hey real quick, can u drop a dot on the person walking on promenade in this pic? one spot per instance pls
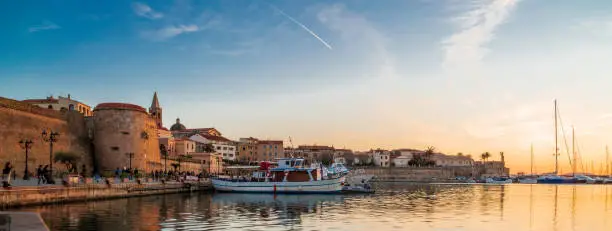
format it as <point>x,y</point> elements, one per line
<point>44,173</point>
<point>39,174</point>
<point>6,174</point>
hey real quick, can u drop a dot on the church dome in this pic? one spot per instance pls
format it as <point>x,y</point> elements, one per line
<point>178,126</point>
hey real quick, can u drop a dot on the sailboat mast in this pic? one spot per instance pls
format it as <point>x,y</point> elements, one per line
<point>556,147</point>
<point>608,161</point>
<point>573,152</point>
<point>532,159</point>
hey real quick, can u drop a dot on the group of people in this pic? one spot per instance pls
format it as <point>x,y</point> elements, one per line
<point>176,175</point>
<point>44,175</point>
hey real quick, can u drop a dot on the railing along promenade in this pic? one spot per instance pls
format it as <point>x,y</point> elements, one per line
<point>50,194</point>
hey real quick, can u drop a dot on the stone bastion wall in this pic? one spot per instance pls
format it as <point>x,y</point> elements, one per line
<point>19,120</point>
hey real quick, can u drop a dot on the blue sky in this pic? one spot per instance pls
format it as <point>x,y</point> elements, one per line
<point>462,75</point>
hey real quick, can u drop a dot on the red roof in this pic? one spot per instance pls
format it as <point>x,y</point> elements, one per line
<point>47,100</point>
<point>215,138</point>
<point>120,106</point>
<point>315,147</point>
<point>270,142</point>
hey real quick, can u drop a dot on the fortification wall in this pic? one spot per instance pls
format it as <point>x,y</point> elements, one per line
<point>118,132</point>
<point>19,120</point>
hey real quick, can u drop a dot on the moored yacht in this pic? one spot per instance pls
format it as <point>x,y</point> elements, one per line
<point>291,176</point>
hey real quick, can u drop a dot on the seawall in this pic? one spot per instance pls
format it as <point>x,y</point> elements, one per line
<point>413,174</point>
<point>27,196</point>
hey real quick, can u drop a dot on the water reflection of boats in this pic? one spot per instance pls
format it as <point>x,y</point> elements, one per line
<point>269,199</point>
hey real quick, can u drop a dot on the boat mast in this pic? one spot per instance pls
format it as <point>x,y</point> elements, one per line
<point>573,152</point>
<point>556,147</point>
<point>532,159</point>
<point>608,162</point>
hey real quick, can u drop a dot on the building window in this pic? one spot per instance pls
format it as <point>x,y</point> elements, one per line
<point>218,148</point>
<point>115,148</point>
<point>50,106</point>
<point>70,107</point>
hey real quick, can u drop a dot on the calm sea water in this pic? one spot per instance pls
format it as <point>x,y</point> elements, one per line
<point>393,207</point>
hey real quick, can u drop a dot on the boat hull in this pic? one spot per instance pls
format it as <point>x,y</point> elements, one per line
<point>492,181</point>
<point>556,181</point>
<point>528,181</point>
<point>322,186</point>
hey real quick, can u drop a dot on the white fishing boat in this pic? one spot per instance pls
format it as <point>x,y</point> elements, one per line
<point>291,176</point>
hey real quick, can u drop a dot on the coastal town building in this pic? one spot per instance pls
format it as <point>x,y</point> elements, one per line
<point>270,150</point>
<point>381,158</point>
<point>220,145</point>
<point>62,104</point>
<point>490,169</point>
<point>401,161</point>
<point>246,149</point>
<point>184,146</point>
<point>362,158</point>
<point>452,161</point>
<point>314,152</point>
<point>253,150</point>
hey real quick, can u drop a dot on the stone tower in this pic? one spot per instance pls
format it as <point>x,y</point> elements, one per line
<point>156,111</point>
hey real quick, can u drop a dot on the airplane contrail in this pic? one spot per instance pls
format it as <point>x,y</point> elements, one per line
<point>303,27</point>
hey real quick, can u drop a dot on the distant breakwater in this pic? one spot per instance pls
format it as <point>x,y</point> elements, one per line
<point>27,196</point>
<point>434,174</point>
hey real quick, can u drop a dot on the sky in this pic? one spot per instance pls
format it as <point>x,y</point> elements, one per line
<point>468,76</point>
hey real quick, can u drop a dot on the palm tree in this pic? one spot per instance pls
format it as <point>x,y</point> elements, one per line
<point>502,156</point>
<point>460,154</point>
<point>429,152</point>
<point>487,155</point>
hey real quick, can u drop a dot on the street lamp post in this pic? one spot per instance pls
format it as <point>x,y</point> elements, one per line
<point>26,144</point>
<point>130,155</point>
<point>50,137</point>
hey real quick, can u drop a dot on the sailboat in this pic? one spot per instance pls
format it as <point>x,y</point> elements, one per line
<point>555,178</point>
<point>531,179</point>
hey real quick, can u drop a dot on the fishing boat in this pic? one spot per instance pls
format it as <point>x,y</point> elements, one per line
<point>291,176</point>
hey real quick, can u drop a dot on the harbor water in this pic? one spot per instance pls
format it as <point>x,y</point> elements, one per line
<point>394,206</point>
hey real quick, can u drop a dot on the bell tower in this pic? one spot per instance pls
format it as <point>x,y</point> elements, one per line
<point>156,111</point>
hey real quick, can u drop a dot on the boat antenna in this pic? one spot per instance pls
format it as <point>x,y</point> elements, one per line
<point>292,150</point>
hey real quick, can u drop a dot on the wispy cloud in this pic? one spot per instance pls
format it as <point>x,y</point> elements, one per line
<point>303,27</point>
<point>170,32</point>
<point>596,25</point>
<point>475,29</point>
<point>359,32</point>
<point>143,10</point>
<point>46,25</point>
